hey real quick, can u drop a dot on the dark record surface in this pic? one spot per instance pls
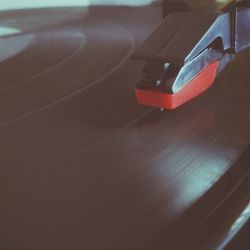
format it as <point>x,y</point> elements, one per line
<point>83,166</point>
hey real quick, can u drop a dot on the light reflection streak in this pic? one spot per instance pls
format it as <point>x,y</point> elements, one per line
<point>7,31</point>
<point>236,226</point>
<point>33,4</point>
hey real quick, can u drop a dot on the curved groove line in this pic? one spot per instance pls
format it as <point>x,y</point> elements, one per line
<point>63,61</point>
<point>113,134</point>
<point>46,107</point>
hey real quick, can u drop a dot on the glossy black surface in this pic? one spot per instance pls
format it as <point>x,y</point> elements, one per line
<point>83,166</point>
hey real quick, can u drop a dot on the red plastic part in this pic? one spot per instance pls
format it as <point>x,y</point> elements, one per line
<point>201,82</point>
